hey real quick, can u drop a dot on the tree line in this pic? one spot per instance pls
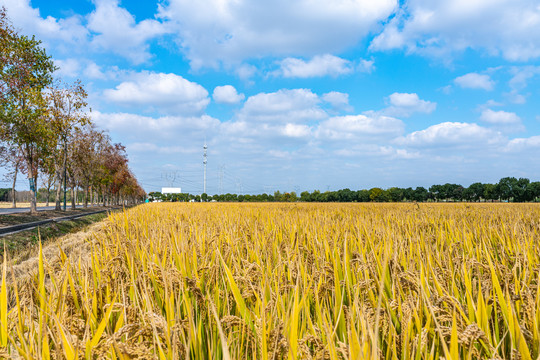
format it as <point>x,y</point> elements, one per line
<point>46,132</point>
<point>508,189</point>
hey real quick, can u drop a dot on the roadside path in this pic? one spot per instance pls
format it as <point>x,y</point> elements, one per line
<point>6,211</point>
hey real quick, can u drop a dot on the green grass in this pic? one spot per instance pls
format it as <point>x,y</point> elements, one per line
<point>28,240</point>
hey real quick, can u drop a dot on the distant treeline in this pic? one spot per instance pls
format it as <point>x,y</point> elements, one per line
<point>4,194</point>
<point>507,189</point>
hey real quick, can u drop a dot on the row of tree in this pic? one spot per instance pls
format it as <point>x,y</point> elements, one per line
<point>46,132</point>
<point>507,189</point>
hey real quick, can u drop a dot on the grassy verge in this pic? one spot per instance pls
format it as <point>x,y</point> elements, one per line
<point>24,244</point>
<point>26,217</point>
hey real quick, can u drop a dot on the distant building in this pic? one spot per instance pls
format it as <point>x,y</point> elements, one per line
<point>169,190</point>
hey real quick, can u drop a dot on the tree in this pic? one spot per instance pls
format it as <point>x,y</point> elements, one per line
<point>408,194</point>
<point>378,194</point>
<point>396,194</point>
<point>474,192</point>
<point>85,156</point>
<point>11,158</point>
<point>533,191</point>
<point>420,194</point>
<point>25,71</point>
<point>506,187</point>
<point>491,192</point>
<point>437,192</point>
<point>47,179</point>
<point>519,191</point>
<point>67,104</point>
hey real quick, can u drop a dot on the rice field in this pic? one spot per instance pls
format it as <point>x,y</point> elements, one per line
<point>285,281</point>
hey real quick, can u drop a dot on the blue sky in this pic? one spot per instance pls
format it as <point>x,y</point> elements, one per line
<point>308,94</point>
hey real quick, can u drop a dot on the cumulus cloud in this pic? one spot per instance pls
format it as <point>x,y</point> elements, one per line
<point>475,81</point>
<point>155,128</point>
<point>440,28</point>
<point>93,71</point>
<point>318,66</point>
<point>451,134</point>
<point>406,104</point>
<point>338,100</point>
<point>116,30</point>
<point>296,130</point>
<point>352,127</point>
<point>165,93</point>
<point>212,32</point>
<point>523,144</point>
<point>500,117</point>
<point>227,94</point>
<point>285,105</point>
<point>67,68</point>
<point>69,31</point>
<point>108,28</point>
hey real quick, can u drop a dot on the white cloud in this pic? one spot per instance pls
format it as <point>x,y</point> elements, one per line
<point>500,117</point>
<point>212,32</point>
<point>441,27</point>
<point>264,134</point>
<point>296,130</point>
<point>117,31</point>
<point>475,81</point>
<point>109,28</point>
<point>67,68</point>
<point>405,104</point>
<point>81,67</point>
<point>285,105</point>
<point>165,150</point>
<point>338,100</point>
<point>165,93</point>
<point>155,129</point>
<point>227,94</point>
<point>523,144</point>
<point>366,66</point>
<point>318,66</point>
<point>395,153</point>
<point>521,75</point>
<point>352,127</point>
<point>93,71</point>
<point>451,134</point>
<point>69,31</point>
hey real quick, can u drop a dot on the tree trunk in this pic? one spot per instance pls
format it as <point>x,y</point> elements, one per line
<point>32,176</point>
<point>14,203</point>
<point>85,196</point>
<point>58,204</point>
<point>73,207</point>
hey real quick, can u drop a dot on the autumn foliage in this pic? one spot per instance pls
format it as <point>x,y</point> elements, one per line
<point>45,128</point>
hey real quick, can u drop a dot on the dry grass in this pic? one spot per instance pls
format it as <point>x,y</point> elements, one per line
<point>275,281</point>
<point>7,205</point>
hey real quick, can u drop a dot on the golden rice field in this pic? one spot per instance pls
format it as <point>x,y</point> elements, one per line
<point>286,281</point>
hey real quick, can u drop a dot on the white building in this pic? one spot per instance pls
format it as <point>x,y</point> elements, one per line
<point>170,190</point>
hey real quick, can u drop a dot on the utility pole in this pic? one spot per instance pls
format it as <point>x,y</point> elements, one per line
<point>205,156</point>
